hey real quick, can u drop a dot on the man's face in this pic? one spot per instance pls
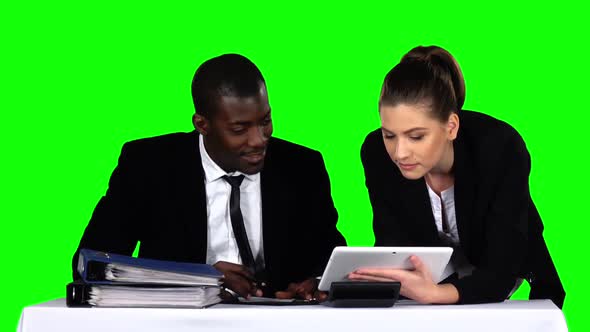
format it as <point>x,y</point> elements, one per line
<point>237,133</point>
<point>417,143</point>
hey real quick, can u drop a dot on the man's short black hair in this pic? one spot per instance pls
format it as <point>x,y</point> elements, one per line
<point>226,75</point>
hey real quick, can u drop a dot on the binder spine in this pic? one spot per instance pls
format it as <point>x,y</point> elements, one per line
<point>77,294</point>
<point>95,271</point>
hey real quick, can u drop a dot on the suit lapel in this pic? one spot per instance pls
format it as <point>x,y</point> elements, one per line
<point>417,200</point>
<point>464,191</point>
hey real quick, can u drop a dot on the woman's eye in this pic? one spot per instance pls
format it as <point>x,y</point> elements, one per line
<point>416,138</point>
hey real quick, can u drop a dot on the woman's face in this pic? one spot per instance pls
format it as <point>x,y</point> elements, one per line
<point>416,142</point>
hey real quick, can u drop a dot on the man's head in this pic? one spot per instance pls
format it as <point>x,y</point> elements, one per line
<point>232,112</point>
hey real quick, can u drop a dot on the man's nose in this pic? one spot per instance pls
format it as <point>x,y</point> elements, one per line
<point>257,137</point>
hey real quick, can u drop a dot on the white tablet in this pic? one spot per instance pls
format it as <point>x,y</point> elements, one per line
<point>347,259</point>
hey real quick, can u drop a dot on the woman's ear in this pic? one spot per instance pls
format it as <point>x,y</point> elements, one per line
<point>453,126</point>
<point>201,124</point>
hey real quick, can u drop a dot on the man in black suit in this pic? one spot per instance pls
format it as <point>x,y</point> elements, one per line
<point>257,208</point>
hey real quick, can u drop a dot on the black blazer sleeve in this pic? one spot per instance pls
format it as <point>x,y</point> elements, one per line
<point>388,226</point>
<point>299,216</point>
<point>111,227</point>
<point>402,215</point>
<point>324,218</point>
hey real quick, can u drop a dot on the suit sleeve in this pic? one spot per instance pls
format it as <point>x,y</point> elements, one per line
<point>505,230</point>
<point>386,225</point>
<point>113,222</point>
<point>325,217</point>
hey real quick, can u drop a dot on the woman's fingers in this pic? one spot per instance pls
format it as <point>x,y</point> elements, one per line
<point>420,267</point>
<point>378,275</point>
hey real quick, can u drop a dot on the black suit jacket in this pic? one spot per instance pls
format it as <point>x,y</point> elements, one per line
<point>499,227</point>
<point>156,195</point>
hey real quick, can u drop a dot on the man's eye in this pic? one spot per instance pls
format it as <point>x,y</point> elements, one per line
<point>266,122</point>
<point>238,130</point>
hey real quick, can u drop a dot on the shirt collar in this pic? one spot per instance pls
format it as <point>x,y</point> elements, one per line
<point>212,171</point>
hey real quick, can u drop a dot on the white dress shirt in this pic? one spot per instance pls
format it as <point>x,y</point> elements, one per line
<point>221,242</point>
<point>443,209</point>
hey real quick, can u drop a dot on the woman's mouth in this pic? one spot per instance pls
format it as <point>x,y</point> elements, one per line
<point>407,167</point>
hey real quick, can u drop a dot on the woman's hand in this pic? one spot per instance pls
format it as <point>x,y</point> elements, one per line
<point>416,284</point>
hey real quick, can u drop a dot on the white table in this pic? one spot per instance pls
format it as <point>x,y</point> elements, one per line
<point>538,316</point>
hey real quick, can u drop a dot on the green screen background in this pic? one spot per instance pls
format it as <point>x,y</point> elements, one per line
<point>79,80</point>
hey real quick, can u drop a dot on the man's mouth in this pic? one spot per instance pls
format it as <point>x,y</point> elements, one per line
<point>254,157</point>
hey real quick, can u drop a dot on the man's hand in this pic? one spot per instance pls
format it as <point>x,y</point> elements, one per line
<point>238,278</point>
<point>307,290</point>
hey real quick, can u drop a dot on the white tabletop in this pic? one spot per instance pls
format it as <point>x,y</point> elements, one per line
<point>538,315</point>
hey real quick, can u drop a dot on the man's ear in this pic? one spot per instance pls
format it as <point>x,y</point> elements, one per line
<point>453,126</point>
<point>201,124</point>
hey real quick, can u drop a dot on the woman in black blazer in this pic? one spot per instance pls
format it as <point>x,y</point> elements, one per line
<point>441,176</point>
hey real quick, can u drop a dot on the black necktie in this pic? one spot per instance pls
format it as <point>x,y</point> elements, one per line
<point>237,222</point>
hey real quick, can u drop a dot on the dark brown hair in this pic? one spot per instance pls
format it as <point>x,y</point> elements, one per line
<point>426,75</point>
